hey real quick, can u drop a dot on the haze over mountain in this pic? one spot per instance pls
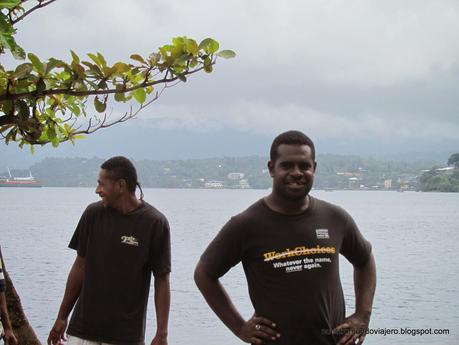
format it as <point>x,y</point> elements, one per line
<point>364,78</point>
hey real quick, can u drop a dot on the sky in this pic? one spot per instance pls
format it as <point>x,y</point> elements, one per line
<point>359,77</point>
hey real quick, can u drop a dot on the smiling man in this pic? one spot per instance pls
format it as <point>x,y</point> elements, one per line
<point>120,241</point>
<point>289,244</point>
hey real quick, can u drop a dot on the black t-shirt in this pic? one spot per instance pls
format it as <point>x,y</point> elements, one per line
<point>120,251</point>
<point>292,266</point>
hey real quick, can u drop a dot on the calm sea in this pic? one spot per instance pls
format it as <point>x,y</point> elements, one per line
<point>415,237</point>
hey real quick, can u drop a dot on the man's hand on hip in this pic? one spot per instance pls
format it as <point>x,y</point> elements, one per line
<point>258,329</point>
<point>353,330</point>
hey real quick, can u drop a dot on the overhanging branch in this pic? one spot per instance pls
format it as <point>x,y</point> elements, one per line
<point>41,4</point>
<point>6,97</point>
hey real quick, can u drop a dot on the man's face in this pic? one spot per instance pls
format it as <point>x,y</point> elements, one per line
<point>293,171</point>
<point>108,189</point>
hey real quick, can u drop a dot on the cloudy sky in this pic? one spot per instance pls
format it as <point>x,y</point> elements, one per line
<point>361,77</point>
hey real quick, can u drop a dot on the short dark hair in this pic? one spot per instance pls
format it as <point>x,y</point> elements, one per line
<point>121,168</point>
<point>291,138</point>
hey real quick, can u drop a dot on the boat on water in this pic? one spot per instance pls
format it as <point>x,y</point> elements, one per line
<point>10,181</point>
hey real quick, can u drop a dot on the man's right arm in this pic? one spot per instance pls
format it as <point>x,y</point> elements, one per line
<point>255,330</point>
<point>72,292</point>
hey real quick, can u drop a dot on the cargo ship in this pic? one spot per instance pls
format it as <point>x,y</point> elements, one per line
<point>10,181</point>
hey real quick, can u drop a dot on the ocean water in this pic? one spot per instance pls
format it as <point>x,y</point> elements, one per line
<point>415,238</point>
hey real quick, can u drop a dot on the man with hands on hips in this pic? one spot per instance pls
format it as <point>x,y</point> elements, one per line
<point>289,244</point>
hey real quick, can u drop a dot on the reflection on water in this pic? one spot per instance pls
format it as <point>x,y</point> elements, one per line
<point>415,239</point>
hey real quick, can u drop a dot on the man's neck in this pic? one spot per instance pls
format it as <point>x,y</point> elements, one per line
<point>287,206</point>
<point>128,204</point>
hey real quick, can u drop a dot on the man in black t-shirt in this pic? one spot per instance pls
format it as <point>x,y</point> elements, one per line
<point>120,241</point>
<point>289,244</point>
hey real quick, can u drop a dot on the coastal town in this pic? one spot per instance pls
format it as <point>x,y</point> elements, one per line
<point>334,172</point>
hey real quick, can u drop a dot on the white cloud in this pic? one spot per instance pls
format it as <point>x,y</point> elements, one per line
<point>355,41</point>
<point>269,119</point>
<point>382,50</point>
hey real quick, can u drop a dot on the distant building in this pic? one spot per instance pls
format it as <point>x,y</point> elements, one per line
<point>387,184</point>
<point>214,184</point>
<point>348,174</point>
<point>353,183</point>
<point>244,184</point>
<point>450,168</point>
<point>235,176</point>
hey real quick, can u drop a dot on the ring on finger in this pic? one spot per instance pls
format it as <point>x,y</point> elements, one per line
<point>257,327</point>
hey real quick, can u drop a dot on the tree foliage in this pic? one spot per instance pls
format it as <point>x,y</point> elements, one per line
<point>50,101</point>
<point>436,180</point>
<point>454,160</point>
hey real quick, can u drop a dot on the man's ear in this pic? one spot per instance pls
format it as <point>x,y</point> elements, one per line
<point>315,166</point>
<point>122,184</point>
<point>271,168</point>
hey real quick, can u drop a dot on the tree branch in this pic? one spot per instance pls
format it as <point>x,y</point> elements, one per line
<point>34,93</point>
<point>41,4</point>
<point>7,119</point>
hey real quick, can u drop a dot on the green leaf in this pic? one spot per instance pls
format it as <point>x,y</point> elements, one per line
<point>54,63</point>
<point>75,57</point>
<point>51,133</point>
<point>119,97</point>
<point>209,45</point>
<point>182,77</point>
<point>226,54</point>
<point>208,65</point>
<point>139,95</point>
<point>22,108</point>
<point>208,68</point>
<point>182,59</point>
<point>79,70</point>
<point>5,25</point>
<point>78,136</point>
<point>194,62</point>
<point>55,142</point>
<point>178,41</point>
<point>22,70</point>
<point>95,58</point>
<point>121,67</point>
<point>138,58</point>
<point>108,71</point>
<point>75,109</point>
<point>93,69</point>
<point>37,64</point>
<point>6,107</point>
<point>68,128</point>
<point>18,52</point>
<point>102,60</point>
<point>100,106</point>
<point>154,58</point>
<point>9,4</point>
<point>41,86</point>
<point>191,46</point>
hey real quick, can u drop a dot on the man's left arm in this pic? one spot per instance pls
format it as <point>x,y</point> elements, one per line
<point>355,326</point>
<point>162,305</point>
